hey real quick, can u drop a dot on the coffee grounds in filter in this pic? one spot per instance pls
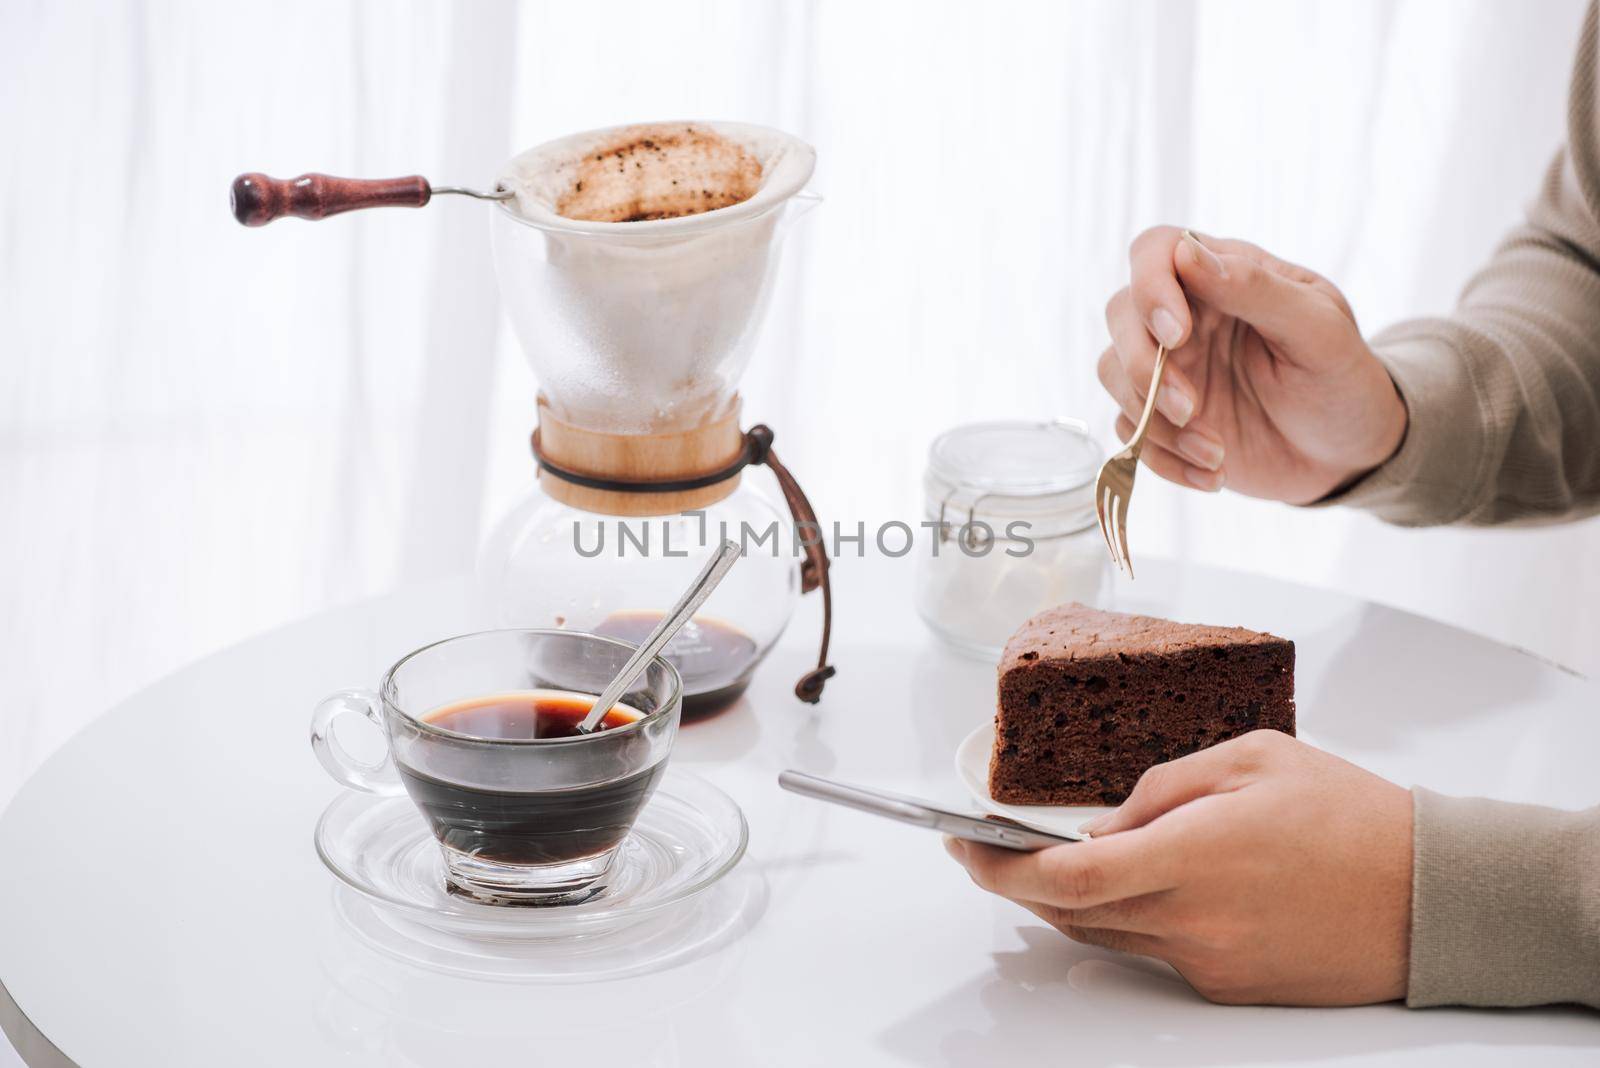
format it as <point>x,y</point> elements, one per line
<point>659,171</point>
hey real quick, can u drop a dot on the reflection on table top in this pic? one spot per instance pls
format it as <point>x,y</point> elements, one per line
<point>170,910</point>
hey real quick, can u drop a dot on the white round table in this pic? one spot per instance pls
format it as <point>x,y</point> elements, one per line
<point>162,905</point>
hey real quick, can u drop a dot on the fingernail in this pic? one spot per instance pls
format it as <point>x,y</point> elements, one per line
<point>1206,258</point>
<point>1091,827</point>
<point>1165,326</point>
<point>1210,481</point>
<point>956,848</point>
<point>1200,449</point>
<point>1175,405</point>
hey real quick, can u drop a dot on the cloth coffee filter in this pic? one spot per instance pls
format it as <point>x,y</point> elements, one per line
<point>636,317</point>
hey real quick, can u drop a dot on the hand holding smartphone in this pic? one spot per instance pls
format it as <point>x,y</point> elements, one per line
<point>919,813</point>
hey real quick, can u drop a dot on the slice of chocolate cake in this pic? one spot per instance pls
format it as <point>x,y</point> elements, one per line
<point>1090,699</point>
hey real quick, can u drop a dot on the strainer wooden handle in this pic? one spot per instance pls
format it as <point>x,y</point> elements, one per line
<point>257,199</point>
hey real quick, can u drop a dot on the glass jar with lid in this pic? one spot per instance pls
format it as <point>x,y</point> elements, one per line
<point>1011,529</point>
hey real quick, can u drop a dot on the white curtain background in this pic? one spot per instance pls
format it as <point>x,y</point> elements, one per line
<point>207,431</point>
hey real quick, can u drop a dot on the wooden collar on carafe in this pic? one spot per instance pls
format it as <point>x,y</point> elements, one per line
<point>679,457</point>
<point>664,474</point>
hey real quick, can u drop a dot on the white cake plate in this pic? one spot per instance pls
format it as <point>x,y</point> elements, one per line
<point>972,766</point>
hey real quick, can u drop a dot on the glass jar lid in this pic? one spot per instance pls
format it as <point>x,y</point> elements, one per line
<point>1042,472</point>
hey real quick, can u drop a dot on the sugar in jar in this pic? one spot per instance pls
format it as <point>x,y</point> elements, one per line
<point>1009,529</point>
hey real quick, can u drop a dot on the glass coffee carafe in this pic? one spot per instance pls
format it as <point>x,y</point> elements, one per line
<point>637,332</point>
<point>535,567</point>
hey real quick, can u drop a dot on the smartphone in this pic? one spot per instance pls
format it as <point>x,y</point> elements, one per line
<point>995,832</point>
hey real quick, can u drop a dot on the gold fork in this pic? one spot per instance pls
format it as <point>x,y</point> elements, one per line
<point>1115,485</point>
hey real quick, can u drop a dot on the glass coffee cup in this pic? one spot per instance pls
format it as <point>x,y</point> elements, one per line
<point>481,733</point>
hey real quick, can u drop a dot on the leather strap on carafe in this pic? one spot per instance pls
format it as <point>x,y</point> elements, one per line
<point>814,570</point>
<point>756,449</point>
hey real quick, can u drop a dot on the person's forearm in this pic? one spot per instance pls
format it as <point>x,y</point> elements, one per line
<point>1505,904</point>
<point>1504,396</point>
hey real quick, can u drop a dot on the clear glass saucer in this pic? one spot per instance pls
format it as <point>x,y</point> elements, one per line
<point>665,938</point>
<point>690,835</point>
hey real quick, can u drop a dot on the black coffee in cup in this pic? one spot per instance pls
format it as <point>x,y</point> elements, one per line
<point>526,810</point>
<point>511,826</point>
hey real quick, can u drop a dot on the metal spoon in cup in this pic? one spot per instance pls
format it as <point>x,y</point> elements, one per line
<point>721,562</point>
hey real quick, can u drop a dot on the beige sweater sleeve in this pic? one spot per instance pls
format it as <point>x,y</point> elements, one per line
<point>1504,395</point>
<point>1504,400</point>
<point>1505,904</point>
